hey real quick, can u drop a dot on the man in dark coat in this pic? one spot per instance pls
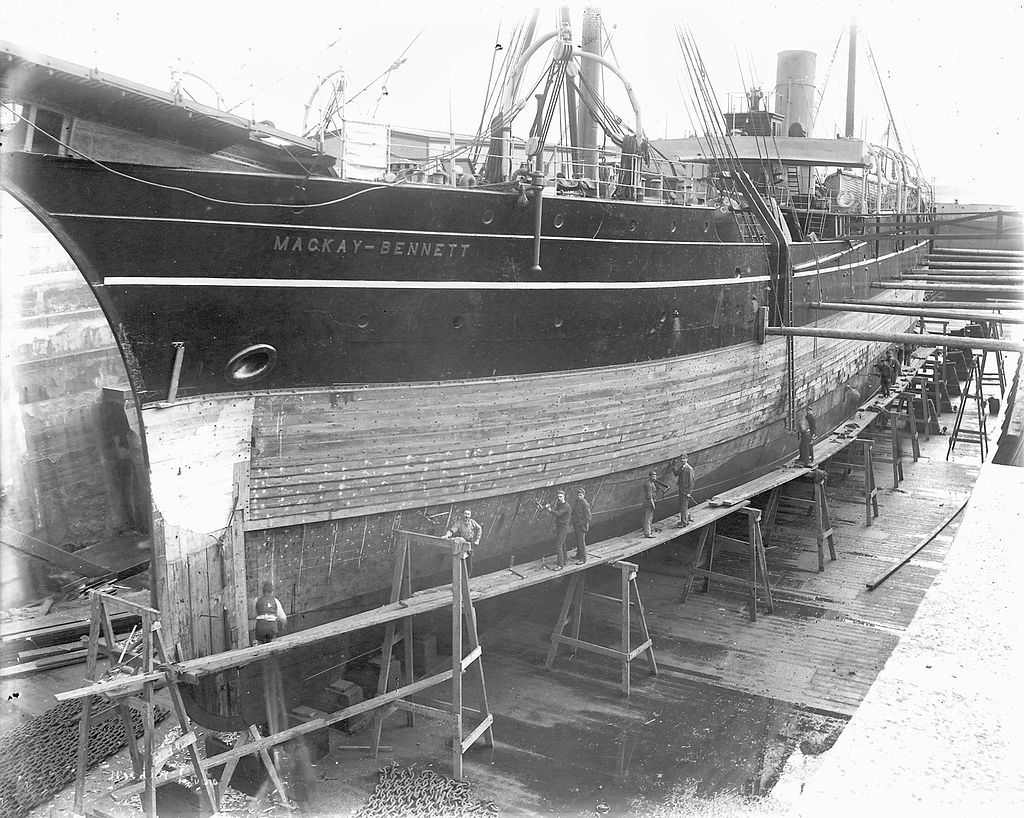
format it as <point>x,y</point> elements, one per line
<point>650,498</point>
<point>805,429</point>
<point>270,617</point>
<point>683,472</point>
<point>581,516</point>
<point>562,513</point>
<point>885,374</point>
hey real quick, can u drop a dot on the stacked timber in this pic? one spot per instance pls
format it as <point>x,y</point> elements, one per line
<point>48,642</point>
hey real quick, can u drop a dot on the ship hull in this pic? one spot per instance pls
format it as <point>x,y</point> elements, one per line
<point>407,386</point>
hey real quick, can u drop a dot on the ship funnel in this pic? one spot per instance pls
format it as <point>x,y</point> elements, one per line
<point>794,91</point>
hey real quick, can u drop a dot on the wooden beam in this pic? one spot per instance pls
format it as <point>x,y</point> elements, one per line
<point>921,311</point>
<point>293,732</point>
<point>931,535</point>
<point>34,547</point>
<point>989,344</point>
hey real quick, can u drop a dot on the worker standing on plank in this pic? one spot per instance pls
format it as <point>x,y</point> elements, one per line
<point>885,374</point>
<point>469,530</point>
<point>683,472</point>
<point>270,617</point>
<point>805,428</point>
<point>581,516</point>
<point>650,498</point>
<point>562,513</point>
<point>894,365</point>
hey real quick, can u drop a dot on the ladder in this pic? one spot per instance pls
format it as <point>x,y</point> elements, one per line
<point>997,378</point>
<point>977,396</point>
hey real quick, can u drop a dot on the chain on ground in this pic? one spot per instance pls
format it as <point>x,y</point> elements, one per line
<point>38,758</point>
<point>410,793</point>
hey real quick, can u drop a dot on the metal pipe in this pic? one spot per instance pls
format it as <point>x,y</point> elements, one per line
<point>961,279</point>
<point>179,356</point>
<point>953,305</point>
<point>984,288</point>
<point>988,344</point>
<point>923,311</point>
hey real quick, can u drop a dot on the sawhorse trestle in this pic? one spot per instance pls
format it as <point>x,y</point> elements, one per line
<point>823,515</point>
<point>463,612</point>
<point>572,609</point>
<point>143,651</point>
<point>711,542</point>
<point>866,464</point>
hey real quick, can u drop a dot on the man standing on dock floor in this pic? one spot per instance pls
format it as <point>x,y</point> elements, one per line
<point>563,525</point>
<point>683,472</point>
<point>270,617</point>
<point>468,529</point>
<point>581,516</point>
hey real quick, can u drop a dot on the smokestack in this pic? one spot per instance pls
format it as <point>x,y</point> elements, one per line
<point>589,69</point>
<point>794,91</point>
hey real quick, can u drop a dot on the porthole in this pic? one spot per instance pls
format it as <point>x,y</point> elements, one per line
<point>738,272</point>
<point>632,225</point>
<point>363,321</point>
<point>251,364</point>
<point>560,220</point>
<point>457,322</point>
<point>558,322</point>
<point>487,217</point>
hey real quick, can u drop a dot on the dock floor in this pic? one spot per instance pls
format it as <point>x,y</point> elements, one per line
<point>939,731</point>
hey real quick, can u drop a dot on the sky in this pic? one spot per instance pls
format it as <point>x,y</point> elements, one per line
<point>951,69</point>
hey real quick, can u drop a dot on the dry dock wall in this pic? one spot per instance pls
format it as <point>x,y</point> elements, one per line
<point>66,456</point>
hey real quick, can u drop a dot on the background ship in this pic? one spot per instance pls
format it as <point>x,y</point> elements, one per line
<point>319,360</point>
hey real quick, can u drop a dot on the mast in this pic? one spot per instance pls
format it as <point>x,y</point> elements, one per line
<point>590,73</point>
<point>851,79</point>
<point>570,104</point>
<point>499,157</point>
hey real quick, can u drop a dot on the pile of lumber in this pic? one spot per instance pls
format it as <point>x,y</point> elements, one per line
<point>31,645</point>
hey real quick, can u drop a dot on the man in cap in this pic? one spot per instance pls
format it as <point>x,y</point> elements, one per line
<point>581,516</point>
<point>805,428</point>
<point>650,498</point>
<point>683,472</point>
<point>468,529</point>
<point>894,365</point>
<point>270,617</point>
<point>884,375</point>
<point>562,513</point>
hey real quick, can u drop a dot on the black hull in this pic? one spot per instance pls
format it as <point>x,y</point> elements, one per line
<point>392,284</point>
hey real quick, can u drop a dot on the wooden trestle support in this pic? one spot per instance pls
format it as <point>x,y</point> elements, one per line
<point>572,609</point>
<point>867,465</point>
<point>137,651</point>
<point>462,611</point>
<point>711,542</point>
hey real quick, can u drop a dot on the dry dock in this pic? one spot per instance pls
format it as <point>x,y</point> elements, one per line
<point>733,699</point>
